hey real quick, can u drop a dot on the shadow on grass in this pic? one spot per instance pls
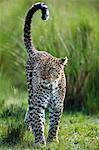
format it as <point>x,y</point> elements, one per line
<point>15,133</point>
<point>12,117</point>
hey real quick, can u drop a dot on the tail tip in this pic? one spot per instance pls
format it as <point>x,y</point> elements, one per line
<point>45,16</point>
<point>45,12</point>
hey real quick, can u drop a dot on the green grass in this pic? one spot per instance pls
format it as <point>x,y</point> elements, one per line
<point>77,130</point>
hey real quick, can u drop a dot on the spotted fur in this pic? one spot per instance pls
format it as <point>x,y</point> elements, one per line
<point>46,84</point>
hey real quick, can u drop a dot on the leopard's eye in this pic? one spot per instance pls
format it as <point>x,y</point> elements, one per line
<point>49,70</point>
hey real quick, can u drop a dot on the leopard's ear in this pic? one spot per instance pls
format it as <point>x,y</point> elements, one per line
<point>63,61</point>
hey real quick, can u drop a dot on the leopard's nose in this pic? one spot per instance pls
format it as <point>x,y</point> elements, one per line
<point>44,78</point>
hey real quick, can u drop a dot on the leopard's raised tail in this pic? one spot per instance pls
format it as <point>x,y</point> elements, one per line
<point>27,26</point>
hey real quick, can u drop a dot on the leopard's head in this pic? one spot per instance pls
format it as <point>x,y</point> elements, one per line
<point>52,68</point>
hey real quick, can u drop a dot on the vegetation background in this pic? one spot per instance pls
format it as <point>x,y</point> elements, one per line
<point>73,31</point>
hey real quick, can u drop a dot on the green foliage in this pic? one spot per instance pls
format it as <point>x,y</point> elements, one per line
<point>13,111</point>
<point>72,30</point>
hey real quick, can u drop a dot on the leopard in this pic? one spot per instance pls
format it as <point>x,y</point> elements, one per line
<point>46,84</point>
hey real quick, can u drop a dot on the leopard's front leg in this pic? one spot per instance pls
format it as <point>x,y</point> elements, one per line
<point>37,121</point>
<point>35,116</point>
<point>55,116</point>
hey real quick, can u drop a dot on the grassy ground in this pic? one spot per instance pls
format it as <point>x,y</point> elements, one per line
<point>77,130</point>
